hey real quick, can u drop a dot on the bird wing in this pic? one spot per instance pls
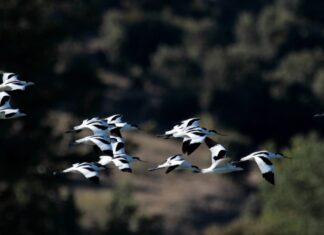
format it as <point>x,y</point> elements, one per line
<point>266,168</point>
<point>191,143</point>
<point>103,144</point>
<point>9,77</point>
<point>4,100</point>
<point>122,164</point>
<point>222,162</point>
<point>116,132</point>
<point>105,160</point>
<point>191,122</point>
<point>119,148</point>
<point>88,171</point>
<point>217,150</point>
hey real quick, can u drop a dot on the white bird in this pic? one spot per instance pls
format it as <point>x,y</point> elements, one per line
<point>11,82</point>
<point>220,163</point>
<point>191,122</point>
<point>193,137</point>
<point>262,159</point>
<point>176,162</point>
<point>96,125</point>
<point>88,170</point>
<point>120,158</point>
<point>6,111</point>
<point>101,142</point>
<point>122,162</point>
<point>117,121</point>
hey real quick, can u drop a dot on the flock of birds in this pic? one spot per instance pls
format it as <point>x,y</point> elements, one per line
<point>10,82</point>
<point>107,138</point>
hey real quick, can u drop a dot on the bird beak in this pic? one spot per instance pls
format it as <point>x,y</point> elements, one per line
<point>163,136</point>
<point>153,169</point>
<point>31,84</point>
<point>72,131</point>
<point>217,133</point>
<point>286,157</point>
<point>142,161</point>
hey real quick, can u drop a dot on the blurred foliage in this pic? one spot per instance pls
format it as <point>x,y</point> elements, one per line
<point>124,218</point>
<point>254,68</point>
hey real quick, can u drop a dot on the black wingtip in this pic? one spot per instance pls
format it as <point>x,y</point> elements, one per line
<point>269,176</point>
<point>171,168</point>
<point>94,179</point>
<point>210,142</point>
<point>129,170</point>
<point>191,148</point>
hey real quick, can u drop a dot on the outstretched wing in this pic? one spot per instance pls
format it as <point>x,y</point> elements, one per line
<point>8,77</point>
<point>217,150</point>
<point>192,142</point>
<point>222,162</point>
<point>266,168</point>
<point>122,164</point>
<point>103,144</point>
<point>4,100</point>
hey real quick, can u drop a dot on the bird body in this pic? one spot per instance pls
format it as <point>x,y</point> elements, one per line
<point>178,130</point>
<point>117,121</point>
<point>101,142</point>
<point>122,162</point>
<point>11,82</point>
<point>6,111</point>
<point>193,137</point>
<point>220,164</point>
<point>88,170</point>
<point>262,159</point>
<point>176,162</point>
<point>96,125</point>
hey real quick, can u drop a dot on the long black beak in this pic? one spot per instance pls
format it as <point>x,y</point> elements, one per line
<point>217,133</point>
<point>73,131</point>
<point>287,157</point>
<point>153,169</point>
<point>163,136</point>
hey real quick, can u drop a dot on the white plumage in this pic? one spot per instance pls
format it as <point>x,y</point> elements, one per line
<point>6,111</point>
<point>176,162</point>
<point>11,82</point>
<point>117,121</point>
<point>88,170</point>
<point>101,142</point>
<point>219,162</point>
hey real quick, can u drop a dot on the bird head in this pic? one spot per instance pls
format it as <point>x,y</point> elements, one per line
<point>214,132</point>
<point>280,155</point>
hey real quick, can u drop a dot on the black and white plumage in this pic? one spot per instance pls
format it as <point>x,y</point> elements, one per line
<point>96,125</point>
<point>220,164</point>
<point>11,82</point>
<point>262,159</point>
<point>88,170</point>
<point>101,142</point>
<point>179,128</point>
<point>6,111</point>
<point>117,121</point>
<point>193,137</point>
<point>122,162</point>
<point>120,158</point>
<point>176,162</point>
